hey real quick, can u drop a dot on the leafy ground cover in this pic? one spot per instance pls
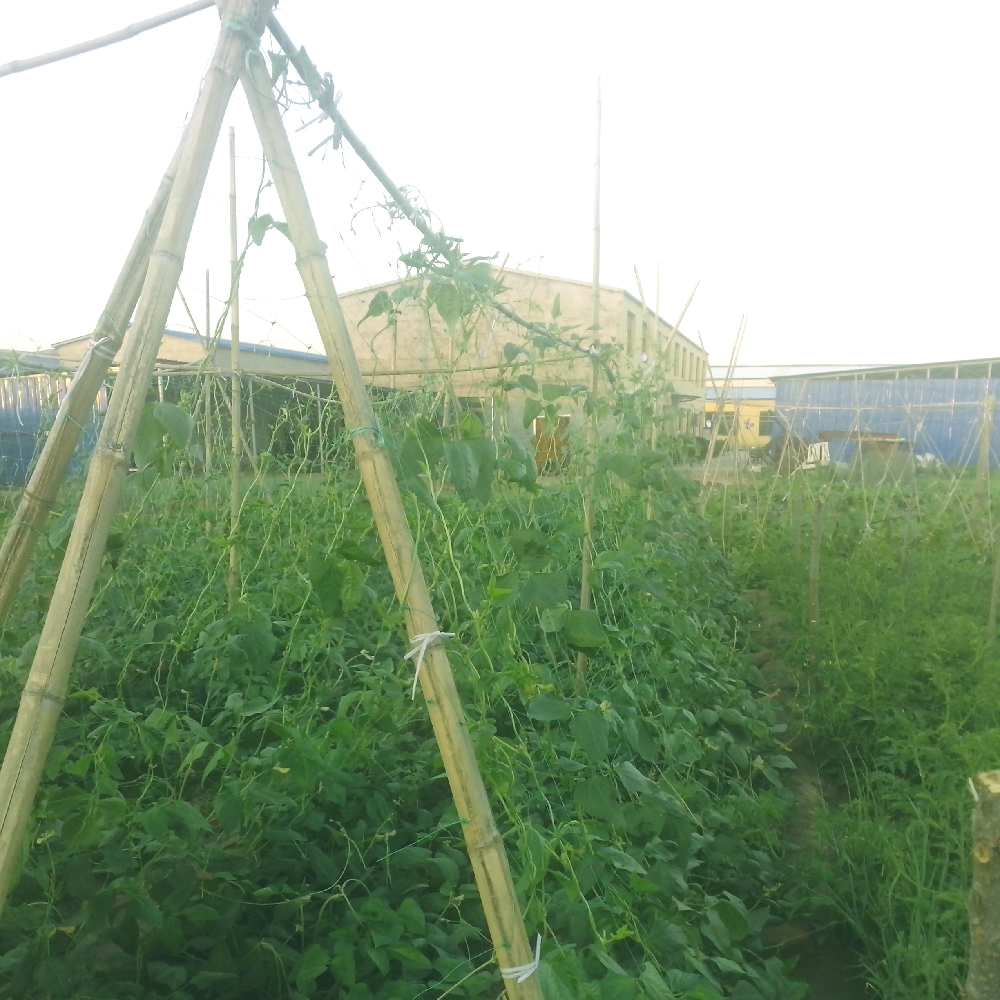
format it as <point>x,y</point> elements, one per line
<point>897,702</point>
<point>247,801</point>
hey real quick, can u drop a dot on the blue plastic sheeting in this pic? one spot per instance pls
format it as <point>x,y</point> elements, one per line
<point>28,406</point>
<point>939,417</point>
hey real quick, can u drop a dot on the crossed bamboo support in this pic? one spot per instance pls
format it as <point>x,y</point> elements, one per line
<point>43,486</point>
<point>45,691</point>
<point>48,680</point>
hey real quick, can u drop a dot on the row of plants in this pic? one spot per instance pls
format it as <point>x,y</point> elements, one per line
<point>896,700</point>
<point>248,800</point>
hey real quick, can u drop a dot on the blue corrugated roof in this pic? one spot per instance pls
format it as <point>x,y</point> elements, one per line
<point>281,352</point>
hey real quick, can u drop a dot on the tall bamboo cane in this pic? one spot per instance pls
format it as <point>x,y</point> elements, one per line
<point>483,840</point>
<point>233,581</point>
<point>74,411</point>
<point>587,555</point>
<point>45,690</point>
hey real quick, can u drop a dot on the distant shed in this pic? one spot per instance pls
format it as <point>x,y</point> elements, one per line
<point>927,409</point>
<point>31,388</point>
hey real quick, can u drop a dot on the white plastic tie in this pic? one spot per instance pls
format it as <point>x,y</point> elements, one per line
<point>520,973</point>
<point>420,644</point>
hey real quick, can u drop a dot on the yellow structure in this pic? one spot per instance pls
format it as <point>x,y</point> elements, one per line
<point>747,413</point>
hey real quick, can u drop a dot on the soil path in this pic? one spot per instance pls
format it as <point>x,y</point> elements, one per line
<point>830,966</point>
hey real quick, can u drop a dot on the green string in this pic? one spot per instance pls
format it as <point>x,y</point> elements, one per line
<point>375,431</point>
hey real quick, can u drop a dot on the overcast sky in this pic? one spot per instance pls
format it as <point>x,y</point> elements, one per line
<point>831,170</point>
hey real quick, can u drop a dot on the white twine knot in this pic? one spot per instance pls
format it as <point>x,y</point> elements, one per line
<point>420,644</point>
<point>522,972</point>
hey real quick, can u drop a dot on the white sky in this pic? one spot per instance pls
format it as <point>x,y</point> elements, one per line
<point>831,170</point>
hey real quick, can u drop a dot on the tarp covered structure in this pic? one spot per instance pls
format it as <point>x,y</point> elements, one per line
<point>924,415</point>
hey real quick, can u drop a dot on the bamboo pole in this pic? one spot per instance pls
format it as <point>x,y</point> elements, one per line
<point>48,680</point>
<point>233,580</point>
<point>983,461</point>
<point>483,840</point>
<point>984,898</point>
<point>74,411</point>
<point>991,621</point>
<point>587,560</point>
<point>814,551</point>
<point>20,65</point>
<point>207,385</point>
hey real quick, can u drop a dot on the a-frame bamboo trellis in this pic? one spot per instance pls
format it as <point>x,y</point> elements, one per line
<point>237,55</point>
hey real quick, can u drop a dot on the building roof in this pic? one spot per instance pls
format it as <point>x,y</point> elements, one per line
<point>245,346</point>
<point>767,372</point>
<point>741,392</point>
<point>552,277</point>
<point>976,368</point>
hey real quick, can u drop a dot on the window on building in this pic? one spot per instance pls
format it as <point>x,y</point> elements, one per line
<point>630,333</point>
<point>766,423</point>
<point>685,358</point>
<point>676,369</point>
<point>644,342</point>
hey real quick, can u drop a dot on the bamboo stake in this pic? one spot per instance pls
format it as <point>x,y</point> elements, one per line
<point>587,560</point>
<point>233,580</point>
<point>814,551</point>
<point>983,462</point>
<point>207,386</point>
<point>74,411</point>
<point>20,65</point>
<point>984,898</point>
<point>796,515</point>
<point>48,680</point>
<point>483,840</point>
<point>991,621</point>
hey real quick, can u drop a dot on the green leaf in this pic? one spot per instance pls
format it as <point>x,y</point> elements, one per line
<point>409,955</point>
<point>254,634</point>
<point>590,730</point>
<point>447,300</point>
<point>311,965</point>
<point>148,437</point>
<point>637,735</point>
<point>552,619</point>
<point>193,754</point>
<point>380,304</point>
<point>621,860</point>
<point>544,590</point>
<point>583,630</point>
<point>531,547</point>
<point>633,779</point>
<point>354,552</point>
<point>325,578</point>
<point>471,462</point>
<point>279,64</point>
<point>511,351</point>
<point>258,226</point>
<point>528,383</point>
<point>548,708</point>
<point>532,408</point>
<point>470,426</point>
<point>413,917</point>
<point>177,424</point>
<point>351,586</point>
<point>598,797</point>
<point>557,307</point>
<point>342,967</point>
<point>550,393</point>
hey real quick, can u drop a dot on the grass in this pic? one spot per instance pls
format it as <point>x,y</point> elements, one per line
<point>898,703</point>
